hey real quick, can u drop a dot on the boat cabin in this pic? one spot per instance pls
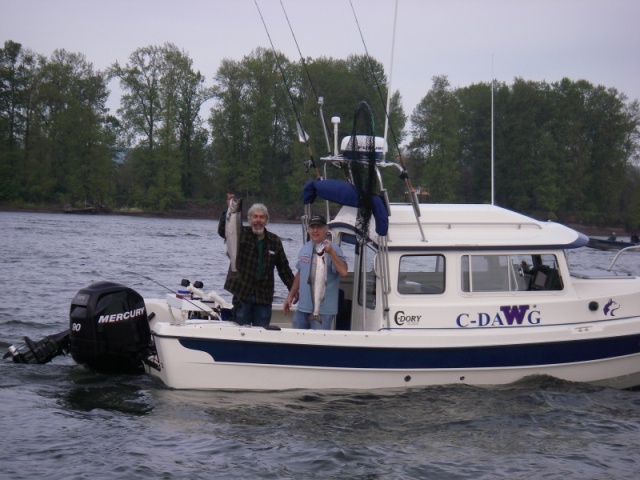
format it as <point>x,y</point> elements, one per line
<point>408,282</point>
<point>419,263</point>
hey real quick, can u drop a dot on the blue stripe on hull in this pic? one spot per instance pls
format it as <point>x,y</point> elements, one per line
<point>231,351</point>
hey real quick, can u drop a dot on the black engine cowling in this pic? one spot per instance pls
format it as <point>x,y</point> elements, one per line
<point>109,328</point>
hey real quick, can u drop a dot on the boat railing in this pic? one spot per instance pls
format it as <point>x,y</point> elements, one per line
<point>384,277</point>
<point>451,225</point>
<point>341,159</point>
<point>627,249</point>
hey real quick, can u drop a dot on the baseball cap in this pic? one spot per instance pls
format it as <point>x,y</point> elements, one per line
<point>317,220</point>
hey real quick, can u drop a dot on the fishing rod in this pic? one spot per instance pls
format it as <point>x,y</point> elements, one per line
<point>404,175</point>
<point>319,99</point>
<point>385,105</point>
<point>323,121</point>
<point>302,134</point>
<point>186,283</point>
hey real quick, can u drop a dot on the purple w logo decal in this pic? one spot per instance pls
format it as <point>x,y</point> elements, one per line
<point>514,314</point>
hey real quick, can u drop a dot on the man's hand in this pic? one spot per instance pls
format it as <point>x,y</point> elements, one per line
<point>291,299</point>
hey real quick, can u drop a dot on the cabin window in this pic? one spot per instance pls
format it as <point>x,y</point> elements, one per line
<point>510,273</point>
<point>421,274</point>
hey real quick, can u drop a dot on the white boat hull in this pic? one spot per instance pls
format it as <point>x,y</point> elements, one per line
<point>221,355</point>
<point>456,309</point>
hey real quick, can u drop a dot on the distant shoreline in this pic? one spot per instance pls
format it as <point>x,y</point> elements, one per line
<point>211,213</point>
<point>208,213</point>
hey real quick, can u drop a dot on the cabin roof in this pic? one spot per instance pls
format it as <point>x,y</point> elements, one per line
<point>465,226</point>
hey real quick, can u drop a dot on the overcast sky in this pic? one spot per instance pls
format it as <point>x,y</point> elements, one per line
<point>466,40</point>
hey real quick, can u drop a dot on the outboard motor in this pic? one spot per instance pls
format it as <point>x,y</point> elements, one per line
<point>41,351</point>
<point>109,328</point>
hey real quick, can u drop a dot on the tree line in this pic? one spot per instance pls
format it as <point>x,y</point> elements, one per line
<point>562,151</point>
<point>565,150</point>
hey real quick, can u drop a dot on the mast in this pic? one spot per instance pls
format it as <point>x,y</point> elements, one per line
<point>492,140</point>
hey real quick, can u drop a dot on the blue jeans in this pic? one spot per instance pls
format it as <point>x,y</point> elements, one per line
<point>303,320</point>
<point>251,313</point>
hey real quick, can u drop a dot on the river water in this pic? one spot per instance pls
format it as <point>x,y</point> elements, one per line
<point>61,421</point>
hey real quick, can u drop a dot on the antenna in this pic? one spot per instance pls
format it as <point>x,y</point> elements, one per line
<point>393,48</point>
<point>492,142</point>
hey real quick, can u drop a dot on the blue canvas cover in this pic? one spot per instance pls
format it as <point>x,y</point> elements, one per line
<point>345,193</point>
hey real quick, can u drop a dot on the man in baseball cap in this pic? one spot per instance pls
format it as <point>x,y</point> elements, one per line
<point>336,267</point>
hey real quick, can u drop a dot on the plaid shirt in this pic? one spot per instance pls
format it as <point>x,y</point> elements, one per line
<point>244,283</point>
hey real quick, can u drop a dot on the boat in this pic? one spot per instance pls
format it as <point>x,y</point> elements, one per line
<point>438,294</point>
<point>68,208</point>
<point>486,298</point>
<point>606,244</point>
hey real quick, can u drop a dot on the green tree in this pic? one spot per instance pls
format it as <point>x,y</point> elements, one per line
<point>69,154</point>
<point>141,116</point>
<point>564,150</point>
<point>569,130</point>
<point>435,145</point>
<point>474,153</point>
<point>160,114</point>
<point>254,120</point>
<point>184,92</point>
<point>527,168</point>
<point>19,78</point>
<point>609,128</point>
<point>252,127</point>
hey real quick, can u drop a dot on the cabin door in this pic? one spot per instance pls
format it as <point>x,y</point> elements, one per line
<point>366,288</point>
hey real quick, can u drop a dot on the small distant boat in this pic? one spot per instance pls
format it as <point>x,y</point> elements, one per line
<point>71,209</point>
<point>603,244</point>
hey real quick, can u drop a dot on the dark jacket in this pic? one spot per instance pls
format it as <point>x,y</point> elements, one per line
<point>244,283</point>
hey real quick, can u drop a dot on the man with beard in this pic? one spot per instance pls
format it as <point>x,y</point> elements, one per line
<point>259,253</point>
